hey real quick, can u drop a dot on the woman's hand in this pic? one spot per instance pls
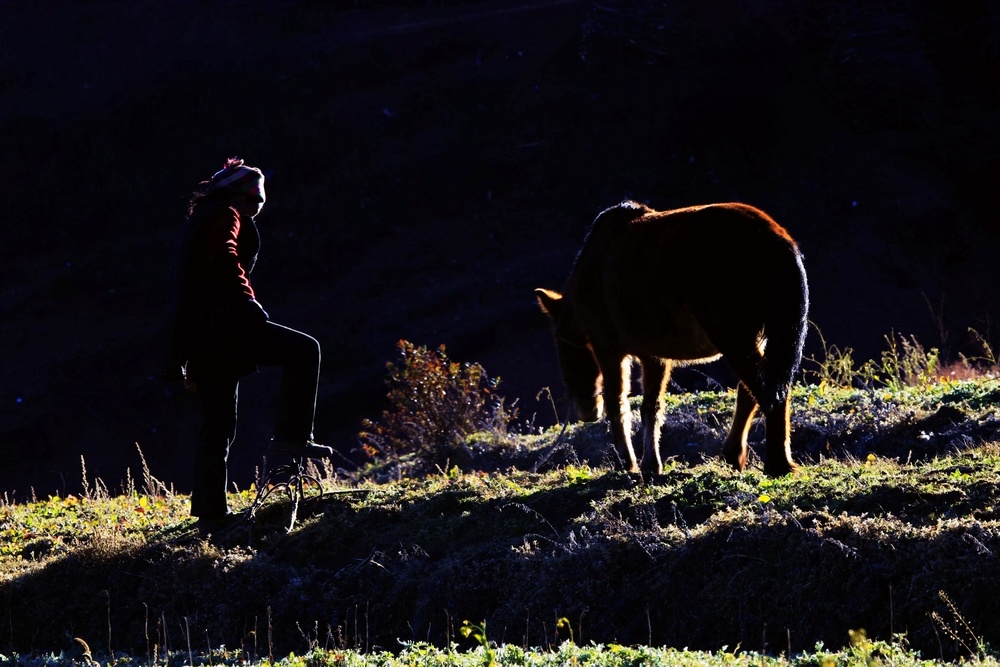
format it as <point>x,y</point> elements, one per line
<point>254,313</point>
<point>189,384</point>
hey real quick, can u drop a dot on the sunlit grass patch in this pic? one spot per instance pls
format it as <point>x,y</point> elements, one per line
<point>34,533</point>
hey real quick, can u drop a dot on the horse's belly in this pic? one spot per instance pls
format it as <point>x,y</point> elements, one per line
<point>679,338</point>
<point>692,349</point>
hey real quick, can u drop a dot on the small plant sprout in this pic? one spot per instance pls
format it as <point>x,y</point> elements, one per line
<point>84,652</point>
<point>477,633</point>
<point>564,624</point>
<point>959,629</point>
<point>860,644</point>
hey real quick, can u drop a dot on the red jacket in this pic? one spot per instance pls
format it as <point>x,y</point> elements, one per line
<point>221,255</point>
<point>216,304</point>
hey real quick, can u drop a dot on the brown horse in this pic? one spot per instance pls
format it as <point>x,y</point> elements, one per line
<point>669,288</point>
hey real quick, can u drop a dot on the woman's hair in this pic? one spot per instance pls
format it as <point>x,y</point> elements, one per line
<point>205,194</point>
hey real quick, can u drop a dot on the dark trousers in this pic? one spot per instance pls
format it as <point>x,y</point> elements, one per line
<point>298,355</point>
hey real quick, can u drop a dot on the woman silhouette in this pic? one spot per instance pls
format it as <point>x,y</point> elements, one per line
<point>221,333</point>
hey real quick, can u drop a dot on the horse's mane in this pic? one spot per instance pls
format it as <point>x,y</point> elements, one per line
<point>609,220</point>
<point>627,211</point>
<point>614,217</point>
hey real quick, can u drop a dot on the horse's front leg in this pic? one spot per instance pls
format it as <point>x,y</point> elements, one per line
<point>617,372</point>
<point>655,376</point>
<point>734,450</point>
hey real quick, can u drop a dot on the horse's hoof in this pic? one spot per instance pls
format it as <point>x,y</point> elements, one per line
<point>780,469</point>
<point>650,476</point>
<point>651,467</point>
<point>737,461</point>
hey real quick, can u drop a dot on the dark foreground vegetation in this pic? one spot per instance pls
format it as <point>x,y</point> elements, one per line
<point>890,532</point>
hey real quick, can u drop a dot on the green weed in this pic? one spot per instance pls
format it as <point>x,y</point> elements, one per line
<point>904,363</point>
<point>835,368</point>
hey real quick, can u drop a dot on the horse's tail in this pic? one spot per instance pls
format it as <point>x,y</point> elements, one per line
<point>784,328</point>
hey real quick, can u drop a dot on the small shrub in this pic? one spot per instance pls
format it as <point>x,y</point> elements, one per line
<point>907,363</point>
<point>434,404</point>
<point>835,369</point>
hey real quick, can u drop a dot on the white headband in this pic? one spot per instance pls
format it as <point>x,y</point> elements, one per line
<point>246,180</point>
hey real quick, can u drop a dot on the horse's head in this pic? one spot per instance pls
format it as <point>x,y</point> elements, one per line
<point>580,372</point>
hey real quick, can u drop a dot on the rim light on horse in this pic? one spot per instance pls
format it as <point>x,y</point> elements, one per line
<point>669,288</point>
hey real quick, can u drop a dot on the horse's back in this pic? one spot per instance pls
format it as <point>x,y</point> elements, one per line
<point>687,251</point>
<point>674,280</point>
<point>715,225</point>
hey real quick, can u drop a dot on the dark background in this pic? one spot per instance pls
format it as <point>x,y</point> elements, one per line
<point>430,163</point>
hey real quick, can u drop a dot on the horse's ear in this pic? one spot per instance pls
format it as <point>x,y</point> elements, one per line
<point>551,302</point>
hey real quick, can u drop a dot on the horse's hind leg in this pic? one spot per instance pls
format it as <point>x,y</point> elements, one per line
<point>777,421</point>
<point>735,448</point>
<point>655,375</point>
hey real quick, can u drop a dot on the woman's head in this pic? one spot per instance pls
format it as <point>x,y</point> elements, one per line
<point>241,185</point>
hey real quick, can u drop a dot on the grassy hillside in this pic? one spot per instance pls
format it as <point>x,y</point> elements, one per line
<point>892,527</point>
<point>431,163</point>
